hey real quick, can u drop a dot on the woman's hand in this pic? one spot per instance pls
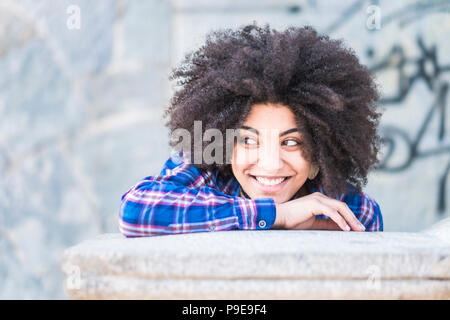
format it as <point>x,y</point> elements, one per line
<point>301,214</point>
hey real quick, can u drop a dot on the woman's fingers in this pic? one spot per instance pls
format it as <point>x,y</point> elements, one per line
<point>350,217</point>
<point>300,214</point>
<point>324,224</point>
<point>345,212</point>
<point>333,214</point>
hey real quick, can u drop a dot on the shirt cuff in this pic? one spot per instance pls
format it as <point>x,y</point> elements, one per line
<point>265,213</point>
<point>256,214</point>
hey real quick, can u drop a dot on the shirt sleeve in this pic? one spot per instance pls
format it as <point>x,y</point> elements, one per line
<point>371,216</point>
<point>366,210</point>
<point>181,202</point>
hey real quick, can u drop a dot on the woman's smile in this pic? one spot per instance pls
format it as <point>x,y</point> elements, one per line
<point>270,185</point>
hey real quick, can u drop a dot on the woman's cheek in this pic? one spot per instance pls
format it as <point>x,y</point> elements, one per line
<point>244,156</point>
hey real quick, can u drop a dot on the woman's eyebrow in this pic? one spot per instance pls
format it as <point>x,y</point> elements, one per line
<point>250,129</point>
<point>288,131</point>
<point>281,134</point>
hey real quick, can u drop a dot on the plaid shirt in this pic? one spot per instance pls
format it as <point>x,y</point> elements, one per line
<point>183,198</point>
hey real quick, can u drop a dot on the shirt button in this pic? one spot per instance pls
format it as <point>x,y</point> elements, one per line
<point>212,228</point>
<point>262,224</point>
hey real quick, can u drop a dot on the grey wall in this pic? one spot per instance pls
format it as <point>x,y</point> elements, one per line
<point>81,111</point>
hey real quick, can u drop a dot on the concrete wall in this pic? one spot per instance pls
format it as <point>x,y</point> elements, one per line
<point>81,102</point>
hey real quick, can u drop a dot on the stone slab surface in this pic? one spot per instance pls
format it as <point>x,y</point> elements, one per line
<point>270,264</point>
<point>111,287</point>
<point>282,254</point>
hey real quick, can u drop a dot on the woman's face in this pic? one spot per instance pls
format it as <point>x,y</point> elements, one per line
<point>267,159</point>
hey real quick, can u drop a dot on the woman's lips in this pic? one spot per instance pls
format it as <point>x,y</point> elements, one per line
<point>269,188</point>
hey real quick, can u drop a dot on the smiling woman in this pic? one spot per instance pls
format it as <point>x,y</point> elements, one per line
<point>304,111</point>
<point>268,159</point>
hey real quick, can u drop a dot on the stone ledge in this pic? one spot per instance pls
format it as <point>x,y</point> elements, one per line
<point>270,264</point>
<point>111,287</point>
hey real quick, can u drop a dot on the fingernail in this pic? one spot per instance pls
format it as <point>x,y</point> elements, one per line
<point>347,228</point>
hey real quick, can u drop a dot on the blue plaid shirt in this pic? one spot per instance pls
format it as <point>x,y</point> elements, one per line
<point>183,198</point>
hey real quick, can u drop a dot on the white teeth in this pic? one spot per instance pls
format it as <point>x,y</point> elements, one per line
<point>269,182</point>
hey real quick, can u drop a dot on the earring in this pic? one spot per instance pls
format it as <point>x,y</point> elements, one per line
<point>313,171</point>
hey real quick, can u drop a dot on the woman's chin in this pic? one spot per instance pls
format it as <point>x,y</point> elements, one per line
<point>276,198</point>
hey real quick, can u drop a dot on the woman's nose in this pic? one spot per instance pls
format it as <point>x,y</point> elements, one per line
<point>269,157</point>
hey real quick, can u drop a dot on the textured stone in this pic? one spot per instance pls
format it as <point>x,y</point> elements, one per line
<point>263,265</point>
<point>256,289</point>
<point>144,89</point>
<point>74,117</point>
<point>82,51</point>
<point>38,115</point>
<point>440,230</point>
<point>148,32</point>
<point>94,150</point>
<point>36,235</point>
<point>74,104</point>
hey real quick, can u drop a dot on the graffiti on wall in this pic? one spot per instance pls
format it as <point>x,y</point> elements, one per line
<point>427,69</point>
<point>431,72</point>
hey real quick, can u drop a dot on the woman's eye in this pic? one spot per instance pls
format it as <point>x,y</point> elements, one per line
<point>290,143</point>
<point>249,141</point>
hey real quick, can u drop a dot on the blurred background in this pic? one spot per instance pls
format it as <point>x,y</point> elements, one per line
<point>83,85</point>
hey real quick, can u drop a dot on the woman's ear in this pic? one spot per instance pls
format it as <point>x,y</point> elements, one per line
<point>313,171</point>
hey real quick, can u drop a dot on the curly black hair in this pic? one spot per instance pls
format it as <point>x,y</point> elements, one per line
<point>332,96</point>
